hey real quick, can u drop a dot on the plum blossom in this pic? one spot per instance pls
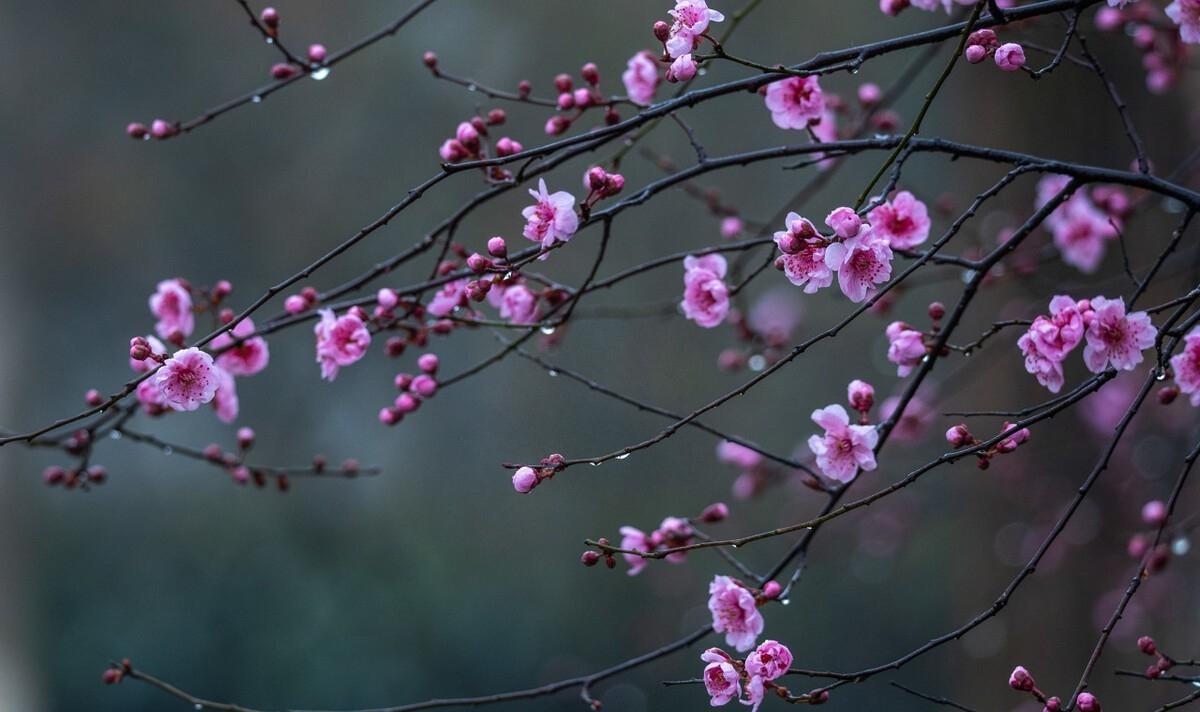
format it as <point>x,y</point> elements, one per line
<point>734,613</point>
<point>451,296</point>
<point>903,221</point>
<point>795,102</point>
<point>770,660</point>
<point>1050,339</point>
<point>861,261</point>
<point>635,539</point>
<point>705,294</point>
<point>340,341</point>
<point>149,396</point>
<point>552,219</point>
<point>906,347</point>
<point>187,380</point>
<point>755,693</point>
<point>1186,14</point>
<point>691,20</point>
<point>721,678</point>
<point>1186,366</point>
<point>641,78</point>
<point>172,304</point>
<point>247,358</point>
<point>843,448</point>
<point>225,401</point>
<point>803,256</point>
<point>1080,234</point>
<point>682,69</point>
<point>1116,338</point>
<point>519,304</point>
<point>737,455</point>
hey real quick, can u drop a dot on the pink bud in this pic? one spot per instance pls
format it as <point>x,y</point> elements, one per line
<point>892,7</point>
<point>388,416</point>
<point>1154,513</point>
<point>295,304</point>
<point>1087,702</point>
<point>557,124</point>
<point>496,247</point>
<point>424,386</point>
<point>1010,58</point>
<point>1146,645</point>
<point>1020,679</point>
<point>387,298</point>
<point>282,70</point>
<point>958,435</point>
<point>468,136</point>
<point>682,69</point>
<point>405,403</point>
<point>507,147</point>
<point>137,130</point>
<point>861,395</point>
<point>316,53</point>
<point>714,512</point>
<point>590,73</point>
<point>524,480</point>
<point>429,59</point>
<point>563,83</point>
<point>93,397</point>
<point>495,117</point>
<point>583,97</point>
<point>869,94</point>
<point>160,129</point>
<point>595,178</point>
<point>845,222</point>
<point>771,590</point>
<point>241,474</point>
<point>270,17</point>
<point>477,263</point>
<point>731,227</point>
<point>589,557</point>
<point>662,31</point>
<point>975,54</point>
<point>428,363</point>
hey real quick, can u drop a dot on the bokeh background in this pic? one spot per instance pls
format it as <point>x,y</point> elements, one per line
<point>434,579</point>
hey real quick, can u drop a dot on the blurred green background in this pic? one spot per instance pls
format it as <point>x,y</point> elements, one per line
<point>435,579</point>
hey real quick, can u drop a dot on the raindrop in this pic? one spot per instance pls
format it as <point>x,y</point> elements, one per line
<point>854,70</point>
<point>547,330</point>
<point>757,362</point>
<point>1160,374</point>
<point>552,373</point>
<point>472,87</point>
<point>270,40</point>
<point>786,601</point>
<point>623,456</point>
<point>114,435</point>
<point>1181,546</point>
<point>319,73</point>
<point>256,99</point>
<point>594,464</point>
<point>168,450</point>
<point>702,71</point>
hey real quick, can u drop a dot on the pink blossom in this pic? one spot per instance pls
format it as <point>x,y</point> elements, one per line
<point>1020,679</point>
<point>451,296</point>
<point>171,303</point>
<point>149,396</point>
<point>691,21</point>
<point>906,347</point>
<point>519,304</point>
<point>247,358</point>
<point>1116,338</point>
<point>1010,57</point>
<point>1080,232</point>
<point>552,219</point>
<point>1186,14</point>
<point>721,678</point>
<point>770,660</point>
<point>903,221</point>
<point>682,69</point>
<point>705,295</point>
<point>225,401</point>
<point>914,424</point>
<point>861,395</point>
<point>795,102</point>
<point>187,380</point>
<point>731,227</point>
<point>145,365</point>
<point>755,693</point>
<point>775,316</point>
<point>524,480</point>
<point>635,539</point>
<point>843,448</point>
<point>737,455</point>
<point>844,222</point>
<point>803,256</point>
<point>861,262</point>
<point>1186,366</point>
<point>1047,368</point>
<point>641,78</point>
<point>1059,334</point>
<point>734,613</point>
<point>340,341</point>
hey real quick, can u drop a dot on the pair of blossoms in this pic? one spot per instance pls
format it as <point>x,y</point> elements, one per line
<point>190,377</point>
<point>734,609</point>
<point>1114,338</point>
<point>1021,681</point>
<point>859,252</point>
<point>690,20</point>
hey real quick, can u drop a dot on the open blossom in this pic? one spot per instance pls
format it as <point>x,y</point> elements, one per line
<point>705,294</point>
<point>803,256</point>
<point>843,448</point>
<point>340,341</point>
<point>552,219</point>
<point>1186,14</point>
<point>149,396</point>
<point>247,358</point>
<point>682,69</point>
<point>1050,339</point>
<point>770,660</point>
<point>795,102</point>
<point>737,455</point>
<point>1080,234</point>
<point>734,613</point>
<point>861,262</point>
<point>641,78</point>
<point>1113,337</point>
<point>755,693</point>
<point>691,21</point>
<point>903,221</point>
<point>635,539</point>
<point>451,296</point>
<point>906,347</point>
<point>1186,366</point>
<point>721,678</point>
<point>171,303</point>
<point>225,401</point>
<point>187,380</point>
<point>519,304</point>
<point>1048,369</point>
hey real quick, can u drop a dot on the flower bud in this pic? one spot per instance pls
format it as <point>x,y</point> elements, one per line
<point>714,512</point>
<point>524,480</point>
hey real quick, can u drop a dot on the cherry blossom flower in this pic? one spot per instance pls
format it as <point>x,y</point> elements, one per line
<point>691,20</point>
<point>641,78</point>
<point>187,380</point>
<point>1186,14</point>
<point>1047,369</point>
<point>171,303</point>
<point>737,455</point>
<point>552,219</point>
<point>755,693</point>
<point>247,358</point>
<point>1080,233</point>
<point>519,304</point>
<point>149,396</point>
<point>861,262</point>
<point>682,69</point>
<point>843,448</point>
<point>734,613</point>
<point>1186,366</point>
<point>770,660</point>
<point>795,102</point>
<point>805,266</point>
<point>705,294</point>
<point>1113,337</point>
<point>906,347</point>
<point>341,341</point>
<point>903,221</point>
<point>635,539</point>
<point>451,296</point>
<point>721,678</point>
<point>225,401</point>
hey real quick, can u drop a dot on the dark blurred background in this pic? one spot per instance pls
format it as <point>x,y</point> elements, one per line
<point>434,578</point>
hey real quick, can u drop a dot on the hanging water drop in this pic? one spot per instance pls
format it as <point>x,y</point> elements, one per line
<point>114,435</point>
<point>319,73</point>
<point>786,601</point>
<point>552,373</point>
<point>757,362</point>
<point>472,87</point>
<point>168,450</point>
<point>256,99</point>
<point>1181,546</point>
<point>270,40</point>
<point>623,456</point>
<point>547,330</point>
